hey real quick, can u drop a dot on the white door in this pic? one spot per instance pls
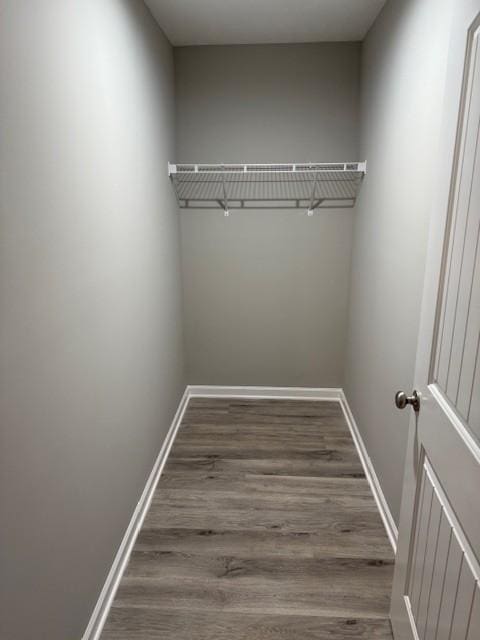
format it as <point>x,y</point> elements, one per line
<point>436,592</point>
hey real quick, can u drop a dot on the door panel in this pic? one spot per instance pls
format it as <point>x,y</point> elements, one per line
<point>436,584</point>
<point>443,570</point>
<point>457,340</point>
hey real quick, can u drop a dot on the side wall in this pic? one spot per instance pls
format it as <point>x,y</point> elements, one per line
<point>90,301</point>
<point>266,292</point>
<point>402,87</point>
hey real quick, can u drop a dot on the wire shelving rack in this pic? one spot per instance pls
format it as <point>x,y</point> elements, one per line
<point>308,186</point>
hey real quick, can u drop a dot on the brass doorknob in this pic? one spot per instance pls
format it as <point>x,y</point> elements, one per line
<point>401,400</point>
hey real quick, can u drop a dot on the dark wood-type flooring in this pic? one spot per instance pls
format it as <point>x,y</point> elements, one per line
<point>262,527</point>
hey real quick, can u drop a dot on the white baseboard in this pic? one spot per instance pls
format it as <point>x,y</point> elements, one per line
<point>286,393</point>
<point>107,594</point>
<point>386,514</point>
<point>99,615</point>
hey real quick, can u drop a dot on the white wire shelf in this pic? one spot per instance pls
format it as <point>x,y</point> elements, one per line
<point>307,186</point>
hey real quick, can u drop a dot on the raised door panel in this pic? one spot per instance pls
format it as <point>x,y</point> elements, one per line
<point>456,353</point>
<point>442,587</point>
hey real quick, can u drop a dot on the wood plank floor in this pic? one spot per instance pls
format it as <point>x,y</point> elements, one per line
<point>262,527</point>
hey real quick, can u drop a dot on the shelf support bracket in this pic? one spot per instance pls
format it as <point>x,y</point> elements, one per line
<point>226,212</point>
<point>317,203</point>
<point>313,204</point>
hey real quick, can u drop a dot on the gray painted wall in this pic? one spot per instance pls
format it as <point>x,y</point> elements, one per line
<point>402,86</point>
<point>90,303</point>
<point>266,293</point>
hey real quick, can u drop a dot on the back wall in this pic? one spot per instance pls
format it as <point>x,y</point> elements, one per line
<point>265,293</point>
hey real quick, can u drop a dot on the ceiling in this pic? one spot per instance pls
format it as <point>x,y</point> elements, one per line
<point>193,22</point>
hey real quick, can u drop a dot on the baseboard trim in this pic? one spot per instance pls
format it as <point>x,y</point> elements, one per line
<point>286,393</point>
<point>100,612</point>
<point>382,505</point>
